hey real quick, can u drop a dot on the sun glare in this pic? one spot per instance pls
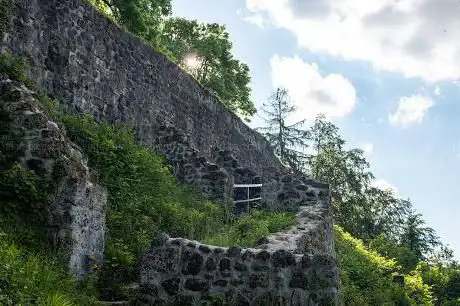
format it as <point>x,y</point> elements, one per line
<point>192,61</point>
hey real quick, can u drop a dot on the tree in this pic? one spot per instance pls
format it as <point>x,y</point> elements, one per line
<point>287,140</point>
<point>419,239</point>
<point>140,17</point>
<point>346,172</point>
<point>204,50</point>
<point>361,209</point>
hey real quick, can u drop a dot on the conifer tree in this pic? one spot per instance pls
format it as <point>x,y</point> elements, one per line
<point>287,140</point>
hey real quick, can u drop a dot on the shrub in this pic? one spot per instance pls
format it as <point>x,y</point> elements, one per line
<point>248,230</point>
<point>367,278</point>
<point>27,278</point>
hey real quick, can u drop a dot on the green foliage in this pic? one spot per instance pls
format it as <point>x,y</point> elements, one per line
<point>27,278</point>
<point>287,140</point>
<point>16,67</point>
<point>419,239</point>
<point>144,197</point>
<point>444,280</point>
<point>6,9</point>
<point>204,50</point>
<point>390,249</point>
<point>13,66</point>
<point>140,17</point>
<point>20,193</point>
<point>248,230</point>
<point>367,277</point>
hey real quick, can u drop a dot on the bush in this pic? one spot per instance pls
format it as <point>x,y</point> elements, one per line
<point>144,197</point>
<point>248,230</point>
<point>27,278</point>
<point>368,278</point>
<point>6,9</point>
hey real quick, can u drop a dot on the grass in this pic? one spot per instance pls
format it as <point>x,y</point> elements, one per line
<point>248,230</point>
<point>30,278</point>
<point>144,199</point>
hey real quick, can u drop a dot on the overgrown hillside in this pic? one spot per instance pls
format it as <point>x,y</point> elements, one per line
<point>386,252</point>
<point>144,200</point>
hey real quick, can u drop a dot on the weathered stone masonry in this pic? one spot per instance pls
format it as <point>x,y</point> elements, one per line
<point>292,268</point>
<point>94,67</point>
<point>76,208</point>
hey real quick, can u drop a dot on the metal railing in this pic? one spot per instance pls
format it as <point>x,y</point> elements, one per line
<point>248,199</point>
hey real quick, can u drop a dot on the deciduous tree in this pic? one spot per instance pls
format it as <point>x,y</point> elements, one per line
<point>204,50</point>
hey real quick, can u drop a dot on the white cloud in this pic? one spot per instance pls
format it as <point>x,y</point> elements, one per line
<point>313,93</point>
<point>410,110</point>
<point>437,90</point>
<point>417,38</point>
<point>252,18</point>
<point>256,19</point>
<point>384,185</point>
<point>368,148</point>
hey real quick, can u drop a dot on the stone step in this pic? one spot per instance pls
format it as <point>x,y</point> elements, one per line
<point>118,303</point>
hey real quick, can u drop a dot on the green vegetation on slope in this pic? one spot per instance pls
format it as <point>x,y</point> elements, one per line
<point>31,278</point>
<point>31,271</point>
<point>375,225</point>
<point>368,278</point>
<point>248,230</point>
<point>144,200</point>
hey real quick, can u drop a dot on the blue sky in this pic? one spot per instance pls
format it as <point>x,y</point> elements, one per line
<point>387,74</point>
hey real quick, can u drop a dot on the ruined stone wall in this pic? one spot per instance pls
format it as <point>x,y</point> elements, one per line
<point>75,211</point>
<point>292,268</point>
<point>94,67</point>
<point>89,63</point>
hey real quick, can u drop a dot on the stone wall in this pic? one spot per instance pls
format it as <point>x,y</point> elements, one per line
<point>76,208</point>
<point>95,67</point>
<point>292,268</point>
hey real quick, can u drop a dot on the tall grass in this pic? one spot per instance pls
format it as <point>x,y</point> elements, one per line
<point>30,278</point>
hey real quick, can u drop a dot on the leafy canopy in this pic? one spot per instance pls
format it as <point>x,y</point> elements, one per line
<point>204,50</point>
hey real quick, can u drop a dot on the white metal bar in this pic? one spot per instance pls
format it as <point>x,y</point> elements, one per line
<point>247,206</point>
<point>250,200</point>
<point>247,185</point>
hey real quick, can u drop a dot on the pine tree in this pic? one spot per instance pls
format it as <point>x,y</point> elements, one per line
<point>287,140</point>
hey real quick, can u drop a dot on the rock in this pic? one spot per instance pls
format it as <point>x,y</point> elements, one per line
<point>193,263</point>
<point>159,240</point>
<point>221,283</point>
<point>263,240</point>
<point>210,264</point>
<point>233,252</point>
<point>171,286</point>
<point>204,249</point>
<point>239,266</point>
<point>283,258</point>
<point>225,264</point>
<point>75,215</point>
<point>196,284</point>
<point>299,280</point>
<point>258,280</point>
<point>263,255</point>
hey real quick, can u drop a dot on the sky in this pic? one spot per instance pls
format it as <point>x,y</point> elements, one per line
<point>387,72</point>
